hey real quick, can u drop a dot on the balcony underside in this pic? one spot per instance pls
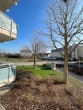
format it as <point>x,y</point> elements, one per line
<point>6,4</point>
<point>6,35</point>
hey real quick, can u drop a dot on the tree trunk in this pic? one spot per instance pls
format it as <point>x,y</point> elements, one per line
<point>34,61</point>
<point>66,69</point>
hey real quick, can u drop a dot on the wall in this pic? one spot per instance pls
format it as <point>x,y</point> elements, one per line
<point>80,51</point>
<point>56,54</point>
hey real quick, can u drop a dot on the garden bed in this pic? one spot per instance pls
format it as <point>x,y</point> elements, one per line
<point>34,93</point>
<point>76,70</point>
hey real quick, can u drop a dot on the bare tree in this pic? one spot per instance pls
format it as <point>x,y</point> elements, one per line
<point>37,46</point>
<point>64,24</point>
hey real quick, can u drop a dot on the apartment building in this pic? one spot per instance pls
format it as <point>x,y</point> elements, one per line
<point>78,52</point>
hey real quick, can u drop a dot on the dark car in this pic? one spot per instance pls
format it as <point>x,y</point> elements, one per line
<point>75,59</point>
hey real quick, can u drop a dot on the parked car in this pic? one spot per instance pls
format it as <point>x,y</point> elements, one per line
<point>45,58</point>
<point>75,59</point>
<point>61,58</point>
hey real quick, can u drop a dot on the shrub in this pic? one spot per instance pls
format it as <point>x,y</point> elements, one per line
<point>43,88</point>
<point>37,78</point>
<point>79,72</point>
<point>32,84</point>
<point>20,73</point>
<point>59,65</point>
<point>74,69</point>
<point>49,81</point>
<point>44,65</point>
<point>22,82</point>
<point>57,80</point>
<point>81,68</point>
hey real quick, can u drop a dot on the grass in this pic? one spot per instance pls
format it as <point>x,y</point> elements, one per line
<point>43,71</point>
<point>75,82</point>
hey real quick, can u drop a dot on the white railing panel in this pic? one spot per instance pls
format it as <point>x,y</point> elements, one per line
<point>7,23</point>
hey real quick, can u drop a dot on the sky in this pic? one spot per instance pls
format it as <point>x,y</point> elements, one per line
<point>28,15</point>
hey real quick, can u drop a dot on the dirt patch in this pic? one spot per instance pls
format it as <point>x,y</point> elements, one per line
<point>37,94</point>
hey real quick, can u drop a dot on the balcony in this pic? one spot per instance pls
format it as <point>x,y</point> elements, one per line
<point>6,4</point>
<point>8,28</point>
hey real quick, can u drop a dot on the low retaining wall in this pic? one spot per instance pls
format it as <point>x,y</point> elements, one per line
<point>52,65</point>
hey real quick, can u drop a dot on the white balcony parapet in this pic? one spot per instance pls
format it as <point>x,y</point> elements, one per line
<point>8,28</point>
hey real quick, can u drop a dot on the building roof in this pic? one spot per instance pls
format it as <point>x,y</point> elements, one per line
<point>26,50</point>
<point>6,4</point>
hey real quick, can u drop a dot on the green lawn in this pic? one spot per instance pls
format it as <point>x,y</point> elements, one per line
<point>43,71</point>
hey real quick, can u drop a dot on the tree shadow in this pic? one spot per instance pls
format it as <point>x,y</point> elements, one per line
<point>44,67</point>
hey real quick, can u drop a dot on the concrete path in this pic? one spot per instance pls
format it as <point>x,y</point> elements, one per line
<point>4,90</point>
<point>27,63</point>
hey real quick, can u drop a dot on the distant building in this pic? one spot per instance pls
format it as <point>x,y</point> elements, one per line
<point>78,52</point>
<point>55,53</point>
<point>26,53</point>
<point>44,55</point>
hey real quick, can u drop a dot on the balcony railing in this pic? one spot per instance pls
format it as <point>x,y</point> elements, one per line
<point>8,26</point>
<point>7,23</point>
